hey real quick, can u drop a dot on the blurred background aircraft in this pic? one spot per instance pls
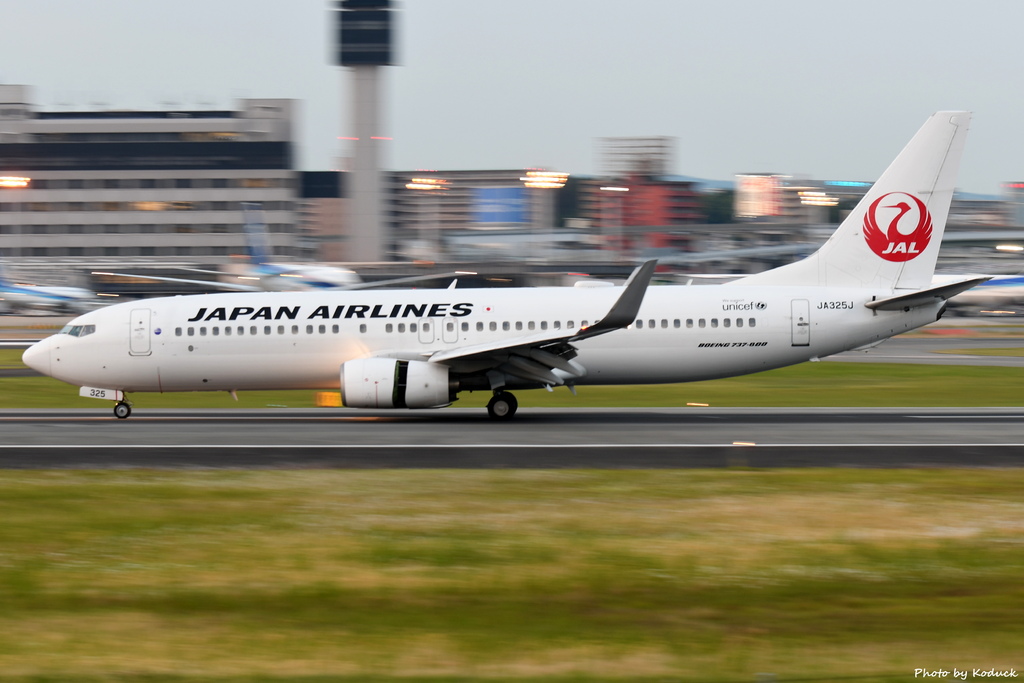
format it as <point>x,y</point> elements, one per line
<point>18,297</point>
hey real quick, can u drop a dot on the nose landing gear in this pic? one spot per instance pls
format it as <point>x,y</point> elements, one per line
<point>122,409</point>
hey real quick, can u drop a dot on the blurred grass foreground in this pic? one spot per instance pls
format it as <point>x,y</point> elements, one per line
<point>508,575</point>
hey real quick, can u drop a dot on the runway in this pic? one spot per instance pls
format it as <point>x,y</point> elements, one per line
<point>537,438</point>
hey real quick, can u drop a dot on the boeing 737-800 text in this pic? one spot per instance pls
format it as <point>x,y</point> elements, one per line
<point>420,348</point>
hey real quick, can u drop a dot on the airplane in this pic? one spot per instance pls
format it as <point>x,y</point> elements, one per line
<point>23,297</point>
<point>261,275</point>
<point>420,348</point>
<point>1001,292</point>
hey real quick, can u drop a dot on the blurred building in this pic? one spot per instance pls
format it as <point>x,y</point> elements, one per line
<point>146,186</point>
<point>773,198</point>
<point>1013,195</point>
<point>321,217</point>
<point>425,208</point>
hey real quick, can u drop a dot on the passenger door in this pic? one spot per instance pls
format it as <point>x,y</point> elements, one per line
<point>139,343</point>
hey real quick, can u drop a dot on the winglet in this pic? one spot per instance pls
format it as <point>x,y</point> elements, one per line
<point>625,309</point>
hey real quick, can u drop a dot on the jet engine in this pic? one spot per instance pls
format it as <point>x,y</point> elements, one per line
<point>390,383</point>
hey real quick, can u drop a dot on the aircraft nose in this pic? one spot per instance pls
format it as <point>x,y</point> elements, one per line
<point>37,357</point>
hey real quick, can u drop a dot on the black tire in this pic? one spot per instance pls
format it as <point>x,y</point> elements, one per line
<point>122,411</point>
<point>502,406</point>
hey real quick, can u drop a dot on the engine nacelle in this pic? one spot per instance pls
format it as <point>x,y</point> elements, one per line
<point>390,383</point>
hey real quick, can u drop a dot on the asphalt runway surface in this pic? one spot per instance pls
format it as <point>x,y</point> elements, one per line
<point>537,438</point>
<point>640,438</point>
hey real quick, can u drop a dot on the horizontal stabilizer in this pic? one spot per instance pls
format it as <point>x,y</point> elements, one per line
<point>925,296</point>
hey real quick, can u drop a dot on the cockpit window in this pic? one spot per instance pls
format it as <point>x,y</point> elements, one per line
<point>78,330</point>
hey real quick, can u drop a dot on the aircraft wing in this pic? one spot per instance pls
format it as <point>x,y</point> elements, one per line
<point>252,288</point>
<point>405,280</point>
<point>536,358</point>
<point>207,283</point>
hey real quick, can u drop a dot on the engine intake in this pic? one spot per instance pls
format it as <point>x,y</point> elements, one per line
<point>390,383</point>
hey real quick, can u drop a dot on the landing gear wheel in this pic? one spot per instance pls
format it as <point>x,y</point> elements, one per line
<point>122,410</point>
<point>502,406</point>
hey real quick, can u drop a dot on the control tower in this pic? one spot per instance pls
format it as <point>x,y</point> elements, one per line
<point>365,31</point>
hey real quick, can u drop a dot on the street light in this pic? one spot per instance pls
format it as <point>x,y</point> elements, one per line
<point>543,180</point>
<point>435,185</point>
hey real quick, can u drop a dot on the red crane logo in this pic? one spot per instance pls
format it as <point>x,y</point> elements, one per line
<point>893,244</point>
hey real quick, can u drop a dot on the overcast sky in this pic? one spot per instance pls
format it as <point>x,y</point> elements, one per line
<point>831,90</point>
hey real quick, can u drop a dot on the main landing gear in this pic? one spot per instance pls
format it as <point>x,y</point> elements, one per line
<point>502,406</point>
<point>122,409</point>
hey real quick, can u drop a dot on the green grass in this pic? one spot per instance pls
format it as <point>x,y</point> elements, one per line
<point>809,384</point>
<point>508,575</point>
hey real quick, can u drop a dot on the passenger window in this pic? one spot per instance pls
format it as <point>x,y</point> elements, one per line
<point>425,327</point>
<point>531,325</point>
<point>465,327</point>
<point>569,325</point>
<point>412,327</point>
<point>675,323</point>
<point>751,322</point>
<point>701,323</point>
<point>739,322</point>
<point>227,330</point>
<point>727,322</point>
<point>280,329</point>
<point>254,330</point>
<point>334,329</point>
<point>295,329</point>
<point>389,328</point>
<point>519,325</point>
<point>543,324</point>
<point>557,324</point>
<point>714,322</point>
<point>664,324</point>
<point>689,322</point>
<point>309,329</point>
<point>202,331</point>
<point>266,329</point>
<point>505,326</point>
<point>401,327</point>
<point>177,331</point>
<point>651,324</point>
<point>493,326</point>
<point>323,329</point>
<point>479,327</point>
<point>639,324</point>
<point>362,328</point>
<point>450,327</point>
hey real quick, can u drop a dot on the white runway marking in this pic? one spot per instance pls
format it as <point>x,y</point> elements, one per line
<point>523,446</point>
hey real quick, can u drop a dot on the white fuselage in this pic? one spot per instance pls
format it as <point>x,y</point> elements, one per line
<point>298,340</point>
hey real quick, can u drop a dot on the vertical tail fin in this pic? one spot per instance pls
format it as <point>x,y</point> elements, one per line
<point>892,238</point>
<point>255,233</point>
